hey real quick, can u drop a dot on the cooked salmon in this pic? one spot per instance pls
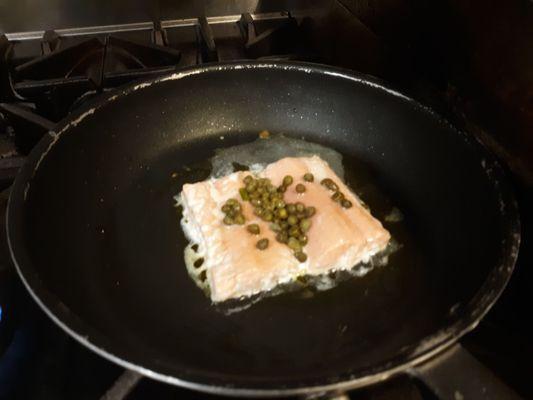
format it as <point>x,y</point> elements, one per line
<point>339,238</point>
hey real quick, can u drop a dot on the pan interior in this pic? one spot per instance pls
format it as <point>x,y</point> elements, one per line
<point>103,235</point>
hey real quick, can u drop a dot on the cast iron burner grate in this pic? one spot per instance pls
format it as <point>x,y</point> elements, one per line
<point>37,90</point>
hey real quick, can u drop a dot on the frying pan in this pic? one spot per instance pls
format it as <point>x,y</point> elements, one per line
<point>95,236</point>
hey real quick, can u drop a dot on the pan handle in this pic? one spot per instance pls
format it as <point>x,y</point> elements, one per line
<point>455,375</point>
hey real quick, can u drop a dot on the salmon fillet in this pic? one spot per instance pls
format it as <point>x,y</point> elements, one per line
<point>339,238</point>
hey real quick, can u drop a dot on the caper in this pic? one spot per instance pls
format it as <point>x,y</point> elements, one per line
<point>300,256</point>
<point>346,203</point>
<point>282,237</point>
<point>303,239</point>
<point>239,219</point>
<point>232,202</point>
<point>287,180</point>
<point>264,182</point>
<point>280,203</point>
<point>260,190</point>
<point>258,211</point>
<point>232,213</point>
<point>254,195</point>
<point>292,220</point>
<point>253,229</point>
<point>248,179</point>
<point>226,208</point>
<point>271,189</point>
<point>294,244</point>
<point>284,225</point>
<point>310,211</point>
<point>203,275</point>
<point>300,207</point>
<point>300,188</point>
<point>305,224</point>
<point>326,182</point>
<point>337,196</point>
<point>256,202</point>
<point>244,194</point>
<point>262,244</point>
<point>282,213</point>
<point>228,220</point>
<point>269,206</point>
<point>282,188</point>
<point>265,196</point>
<point>251,187</point>
<point>237,207</point>
<point>275,227</point>
<point>291,208</point>
<point>301,215</point>
<point>329,184</point>
<point>267,216</point>
<point>294,231</point>
<point>309,177</point>
<point>276,196</point>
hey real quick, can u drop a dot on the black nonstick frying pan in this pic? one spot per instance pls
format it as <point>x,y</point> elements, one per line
<point>95,236</point>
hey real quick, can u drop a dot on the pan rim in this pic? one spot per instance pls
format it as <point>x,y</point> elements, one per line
<point>429,347</point>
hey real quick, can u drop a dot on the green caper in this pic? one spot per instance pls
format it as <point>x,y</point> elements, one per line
<point>300,207</point>
<point>294,244</point>
<point>260,190</point>
<point>292,220</point>
<point>265,196</point>
<point>309,177</point>
<point>310,211</point>
<point>300,256</point>
<point>256,202</point>
<point>284,225</point>
<point>276,196</point>
<point>228,220</point>
<point>262,244</point>
<point>282,237</point>
<point>282,213</point>
<point>280,203</point>
<point>271,189</point>
<point>305,224</point>
<point>203,276</point>
<point>244,194</point>
<point>282,188</point>
<point>303,239</point>
<point>275,227</point>
<point>237,207</point>
<point>251,187</point>
<point>329,184</point>
<point>231,213</point>
<point>263,182</point>
<point>226,208</point>
<point>291,208</point>
<point>248,179</point>
<point>326,182</point>
<point>300,188</point>
<point>232,202</point>
<point>258,211</point>
<point>253,229</point>
<point>346,203</point>
<point>267,216</point>
<point>239,219</point>
<point>269,206</point>
<point>301,215</point>
<point>254,195</point>
<point>294,231</point>
<point>337,196</point>
<point>287,180</point>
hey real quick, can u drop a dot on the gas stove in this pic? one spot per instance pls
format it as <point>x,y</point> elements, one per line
<point>45,75</point>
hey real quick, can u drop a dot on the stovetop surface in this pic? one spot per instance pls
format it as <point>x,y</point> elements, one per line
<point>46,78</point>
